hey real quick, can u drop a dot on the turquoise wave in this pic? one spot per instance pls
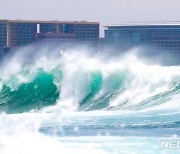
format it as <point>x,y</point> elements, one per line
<point>95,85</point>
<point>33,95</point>
<point>45,89</point>
<point>112,85</point>
<point>17,97</point>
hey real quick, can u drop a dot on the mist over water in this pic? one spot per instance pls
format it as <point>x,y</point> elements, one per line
<point>75,101</point>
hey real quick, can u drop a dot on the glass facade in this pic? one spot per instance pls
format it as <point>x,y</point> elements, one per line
<point>17,33</point>
<point>159,37</point>
<point>66,28</point>
<point>48,28</point>
<point>3,35</point>
<point>87,33</point>
<point>22,33</point>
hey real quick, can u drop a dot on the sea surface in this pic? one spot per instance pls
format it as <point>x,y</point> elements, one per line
<point>76,103</point>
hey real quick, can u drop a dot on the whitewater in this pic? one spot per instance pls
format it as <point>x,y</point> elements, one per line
<point>54,101</point>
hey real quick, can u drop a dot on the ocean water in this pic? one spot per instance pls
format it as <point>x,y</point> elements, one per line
<point>73,102</point>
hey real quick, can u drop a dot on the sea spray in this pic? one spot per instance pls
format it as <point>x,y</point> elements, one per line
<point>73,102</point>
<point>83,82</point>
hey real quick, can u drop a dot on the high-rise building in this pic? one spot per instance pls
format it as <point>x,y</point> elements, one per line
<point>3,34</point>
<point>22,34</point>
<point>156,36</point>
<point>85,32</point>
<point>17,33</point>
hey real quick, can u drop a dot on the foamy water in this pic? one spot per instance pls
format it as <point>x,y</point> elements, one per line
<point>71,102</point>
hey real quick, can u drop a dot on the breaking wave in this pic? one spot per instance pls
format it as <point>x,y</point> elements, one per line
<point>78,81</point>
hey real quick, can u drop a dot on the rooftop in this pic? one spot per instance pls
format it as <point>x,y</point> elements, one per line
<point>50,21</point>
<point>165,23</point>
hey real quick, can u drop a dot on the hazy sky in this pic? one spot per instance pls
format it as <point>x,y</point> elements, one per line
<point>104,11</point>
